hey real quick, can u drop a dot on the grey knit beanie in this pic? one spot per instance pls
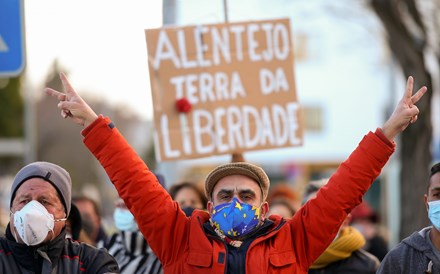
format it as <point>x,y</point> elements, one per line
<point>51,173</point>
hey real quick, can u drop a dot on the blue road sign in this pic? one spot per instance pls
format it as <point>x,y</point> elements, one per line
<point>12,49</point>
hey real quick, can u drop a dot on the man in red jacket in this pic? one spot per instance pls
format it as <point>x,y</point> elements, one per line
<point>235,235</point>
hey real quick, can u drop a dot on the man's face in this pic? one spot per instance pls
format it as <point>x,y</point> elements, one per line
<point>44,193</point>
<point>433,190</point>
<point>89,216</point>
<point>243,188</point>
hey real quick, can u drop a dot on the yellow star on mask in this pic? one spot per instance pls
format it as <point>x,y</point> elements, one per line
<point>237,205</point>
<point>232,232</point>
<point>257,210</point>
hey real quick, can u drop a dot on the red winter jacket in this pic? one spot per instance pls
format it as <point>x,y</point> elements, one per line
<point>180,242</point>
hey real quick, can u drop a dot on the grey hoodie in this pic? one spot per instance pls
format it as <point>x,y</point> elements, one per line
<point>413,255</point>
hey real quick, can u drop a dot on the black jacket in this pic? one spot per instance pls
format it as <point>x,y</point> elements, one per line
<point>57,256</point>
<point>360,262</point>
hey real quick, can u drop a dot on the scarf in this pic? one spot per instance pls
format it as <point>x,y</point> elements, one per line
<point>348,241</point>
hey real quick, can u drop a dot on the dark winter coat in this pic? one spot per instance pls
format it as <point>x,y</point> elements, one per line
<point>59,256</point>
<point>360,262</point>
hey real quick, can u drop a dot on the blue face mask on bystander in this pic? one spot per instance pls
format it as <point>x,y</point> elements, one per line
<point>124,220</point>
<point>434,213</point>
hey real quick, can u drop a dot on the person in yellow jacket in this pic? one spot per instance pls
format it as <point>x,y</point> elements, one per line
<point>345,254</point>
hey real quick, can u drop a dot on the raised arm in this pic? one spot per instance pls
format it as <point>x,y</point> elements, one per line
<point>159,218</point>
<point>315,225</point>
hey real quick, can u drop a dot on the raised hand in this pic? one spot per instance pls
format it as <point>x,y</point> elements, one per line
<point>71,104</point>
<point>405,112</point>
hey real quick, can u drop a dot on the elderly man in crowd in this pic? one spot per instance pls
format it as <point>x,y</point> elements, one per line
<point>35,240</point>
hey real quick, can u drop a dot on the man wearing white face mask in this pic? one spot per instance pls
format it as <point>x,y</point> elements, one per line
<point>128,246</point>
<point>35,240</point>
<point>420,252</point>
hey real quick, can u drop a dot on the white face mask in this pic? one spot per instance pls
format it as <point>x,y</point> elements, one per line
<point>33,222</point>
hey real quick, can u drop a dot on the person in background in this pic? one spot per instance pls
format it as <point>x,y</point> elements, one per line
<point>344,255</point>
<point>73,223</point>
<point>188,196</point>
<point>35,240</point>
<point>91,219</point>
<point>281,207</point>
<point>419,252</point>
<point>235,235</point>
<point>365,219</point>
<point>128,246</point>
<point>283,200</point>
<point>312,188</point>
<point>74,228</point>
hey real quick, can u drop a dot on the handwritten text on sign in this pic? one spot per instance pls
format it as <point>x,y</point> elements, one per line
<point>239,81</point>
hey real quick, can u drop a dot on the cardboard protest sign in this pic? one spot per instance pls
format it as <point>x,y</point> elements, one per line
<point>223,88</point>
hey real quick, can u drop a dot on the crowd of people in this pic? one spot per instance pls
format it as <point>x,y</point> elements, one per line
<point>236,223</point>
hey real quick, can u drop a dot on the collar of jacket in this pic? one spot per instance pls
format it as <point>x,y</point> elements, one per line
<point>27,255</point>
<point>201,247</point>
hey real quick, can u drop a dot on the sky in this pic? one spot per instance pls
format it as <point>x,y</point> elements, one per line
<point>100,43</point>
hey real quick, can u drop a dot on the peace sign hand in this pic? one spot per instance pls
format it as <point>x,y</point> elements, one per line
<point>406,111</point>
<point>71,104</point>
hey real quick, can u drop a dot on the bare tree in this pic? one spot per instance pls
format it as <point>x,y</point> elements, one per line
<point>410,26</point>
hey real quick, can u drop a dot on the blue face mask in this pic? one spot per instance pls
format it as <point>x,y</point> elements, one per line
<point>434,213</point>
<point>235,219</point>
<point>124,220</point>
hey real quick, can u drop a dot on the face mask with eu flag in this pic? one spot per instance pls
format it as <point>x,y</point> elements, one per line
<point>235,219</point>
